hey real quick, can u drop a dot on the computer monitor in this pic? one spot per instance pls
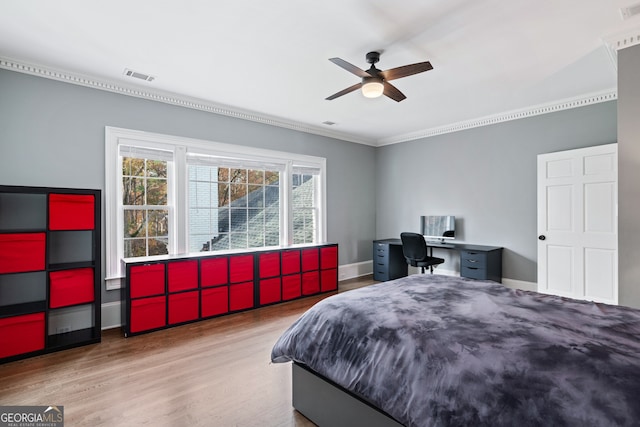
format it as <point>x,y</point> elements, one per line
<point>438,227</point>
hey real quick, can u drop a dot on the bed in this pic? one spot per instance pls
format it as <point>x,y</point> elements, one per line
<point>430,350</point>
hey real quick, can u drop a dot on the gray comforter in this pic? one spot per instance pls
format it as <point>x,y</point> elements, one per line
<point>446,351</point>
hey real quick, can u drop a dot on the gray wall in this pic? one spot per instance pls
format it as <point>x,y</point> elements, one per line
<point>52,134</point>
<point>486,177</point>
<point>629,176</point>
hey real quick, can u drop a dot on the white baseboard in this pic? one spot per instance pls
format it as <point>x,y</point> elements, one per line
<point>520,284</point>
<point>111,315</point>
<point>351,271</point>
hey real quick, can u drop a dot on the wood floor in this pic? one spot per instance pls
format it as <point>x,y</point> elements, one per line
<point>211,373</point>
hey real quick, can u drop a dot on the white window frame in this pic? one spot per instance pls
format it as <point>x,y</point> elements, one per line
<point>178,187</point>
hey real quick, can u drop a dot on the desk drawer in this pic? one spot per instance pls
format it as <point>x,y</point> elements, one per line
<point>473,259</point>
<point>472,272</point>
<point>380,249</point>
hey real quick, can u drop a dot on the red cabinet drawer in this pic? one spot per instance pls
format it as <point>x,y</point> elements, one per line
<point>214,301</point>
<point>21,334</point>
<point>183,275</point>
<point>71,212</point>
<point>70,287</point>
<point>146,280</point>
<point>310,259</point>
<point>22,252</point>
<point>183,307</point>
<point>291,287</point>
<point>214,271</point>
<point>290,262</point>
<point>269,264</point>
<point>240,268</point>
<point>310,283</point>
<point>240,296</point>
<point>329,280</point>
<point>329,257</point>
<point>270,290</point>
<point>148,314</point>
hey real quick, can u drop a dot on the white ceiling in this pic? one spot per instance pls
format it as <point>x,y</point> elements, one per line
<point>268,60</point>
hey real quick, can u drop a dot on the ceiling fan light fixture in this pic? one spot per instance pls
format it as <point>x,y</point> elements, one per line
<point>372,87</point>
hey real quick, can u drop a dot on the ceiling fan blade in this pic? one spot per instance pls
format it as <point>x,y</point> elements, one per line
<point>344,91</point>
<point>392,92</point>
<point>406,70</point>
<point>349,67</point>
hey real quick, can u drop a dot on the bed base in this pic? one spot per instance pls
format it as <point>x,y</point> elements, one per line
<point>327,404</point>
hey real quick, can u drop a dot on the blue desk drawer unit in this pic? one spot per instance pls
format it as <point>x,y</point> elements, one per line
<point>481,265</point>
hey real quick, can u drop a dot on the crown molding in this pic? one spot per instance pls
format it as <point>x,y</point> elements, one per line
<point>551,107</point>
<point>171,98</point>
<point>199,104</point>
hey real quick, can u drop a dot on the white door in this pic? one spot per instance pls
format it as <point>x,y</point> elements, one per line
<point>578,223</point>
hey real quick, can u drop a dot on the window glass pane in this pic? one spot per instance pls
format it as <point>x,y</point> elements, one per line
<point>271,239</point>
<point>158,222</point>
<point>238,195</point>
<point>256,176</point>
<point>156,168</point>
<point>135,224</point>
<point>271,196</point>
<point>156,192</point>
<point>135,248</point>
<point>256,196</point>
<point>132,167</point>
<point>238,240</point>
<point>133,191</point>
<point>238,176</point>
<point>271,177</point>
<point>158,246</point>
<point>223,194</point>
<point>223,220</point>
<point>238,220</point>
<point>223,174</point>
<point>220,243</point>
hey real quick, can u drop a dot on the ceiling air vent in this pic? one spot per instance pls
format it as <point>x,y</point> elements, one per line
<point>137,75</point>
<point>629,11</point>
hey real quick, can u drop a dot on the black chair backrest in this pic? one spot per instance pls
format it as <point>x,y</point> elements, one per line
<point>413,246</point>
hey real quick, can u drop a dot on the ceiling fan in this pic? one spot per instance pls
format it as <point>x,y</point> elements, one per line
<point>375,82</point>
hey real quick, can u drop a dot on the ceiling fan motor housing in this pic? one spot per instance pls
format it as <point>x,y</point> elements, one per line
<point>373,57</point>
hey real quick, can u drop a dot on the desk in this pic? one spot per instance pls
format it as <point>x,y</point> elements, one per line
<point>476,261</point>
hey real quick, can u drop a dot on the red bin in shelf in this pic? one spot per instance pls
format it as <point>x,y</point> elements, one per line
<point>21,334</point>
<point>329,280</point>
<point>291,287</point>
<point>183,307</point>
<point>310,259</point>
<point>183,275</point>
<point>146,280</point>
<point>290,262</point>
<point>214,271</point>
<point>270,290</point>
<point>328,257</point>
<point>71,212</point>
<point>240,268</point>
<point>148,314</point>
<point>310,283</point>
<point>70,287</point>
<point>214,301</point>
<point>21,252</point>
<point>241,296</point>
<point>269,264</point>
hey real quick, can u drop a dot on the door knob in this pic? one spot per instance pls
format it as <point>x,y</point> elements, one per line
<point>542,237</point>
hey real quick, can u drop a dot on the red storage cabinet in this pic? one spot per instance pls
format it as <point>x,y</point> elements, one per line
<point>71,212</point>
<point>148,313</point>
<point>146,280</point>
<point>269,264</point>
<point>310,259</point>
<point>291,287</point>
<point>290,262</point>
<point>328,280</point>
<point>214,271</point>
<point>270,291</point>
<point>240,268</point>
<point>183,275</point>
<point>21,252</point>
<point>310,283</point>
<point>241,296</point>
<point>71,287</point>
<point>214,301</point>
<point>183,307</point>
<point>328,257</point>
<point>22,334</point>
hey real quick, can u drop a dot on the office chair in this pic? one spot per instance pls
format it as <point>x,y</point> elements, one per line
<point>416,252</point>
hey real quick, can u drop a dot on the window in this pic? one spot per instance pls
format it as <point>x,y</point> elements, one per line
<point>170,195</point>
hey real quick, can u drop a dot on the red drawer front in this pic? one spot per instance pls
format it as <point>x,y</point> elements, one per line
<point>21,252</point>
<point>71,212</point>
<point>310,283</point>
<point>310,260</point>
<point>146,280</point>
<point>329,257</point>
<point>270,290</point>
<point>183,275</point>
<point>290,262</point>
<point>240,268</point>
<point>214,301</point>
<point>329,280</point>
<point>269,264</point>
<point>183,307</point>
<point>241,296</point>
<point>148,313</point>
<point>291,287</point>
<point>214,271</point>
<point>70,287</point>
<point>21,334</point>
